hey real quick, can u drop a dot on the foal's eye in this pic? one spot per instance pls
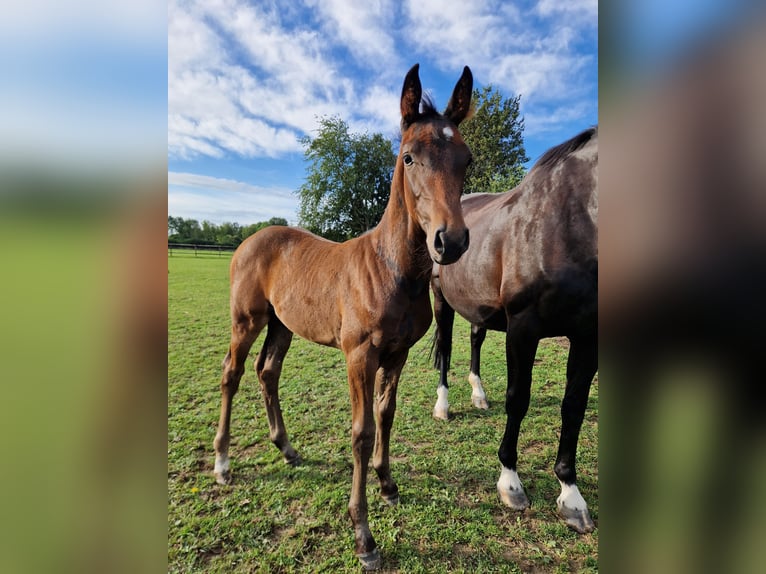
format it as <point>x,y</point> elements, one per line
<point>408,159</point>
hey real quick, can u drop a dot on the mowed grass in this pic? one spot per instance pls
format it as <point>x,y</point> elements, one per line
<point>276,518</point>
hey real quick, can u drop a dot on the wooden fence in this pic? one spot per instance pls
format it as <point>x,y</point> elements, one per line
<point>189,248</point>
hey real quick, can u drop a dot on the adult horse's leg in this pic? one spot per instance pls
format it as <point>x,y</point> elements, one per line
<point>244,331</point>
<point>268,365</point>
<point>444,316</point>
<point>478,397</point>
<point>581,367</point>
<point>520,348</point>
<point>386,382</point>
<point>362,364</point>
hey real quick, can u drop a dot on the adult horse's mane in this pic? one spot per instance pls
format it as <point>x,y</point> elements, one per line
<point>561,151</point>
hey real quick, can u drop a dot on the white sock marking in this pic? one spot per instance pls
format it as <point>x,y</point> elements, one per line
<point>221,465</point>
<point>570,497</point>
<point>442,406</point>
<point>509,480</point>
<point>478,390</point>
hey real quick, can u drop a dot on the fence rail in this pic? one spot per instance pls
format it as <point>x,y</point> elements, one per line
<point>199,249</point>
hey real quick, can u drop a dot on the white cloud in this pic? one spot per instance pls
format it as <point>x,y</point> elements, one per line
<point>239,82</point>
<point>529,53</point>
<point>550,120</point>
<point>584,11</point>
<point>221,200</point>
<point>541,76</point>
<point>250,79</point>
<point>364,27</point>
<point>466,32</point>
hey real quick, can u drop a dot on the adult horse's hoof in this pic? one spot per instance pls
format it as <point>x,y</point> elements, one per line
<point>511,491</point>
<point>480,402</point>
<point>370,560</point>
<point>578,520</point>
<point>441,414</point>
<point>515,499</point>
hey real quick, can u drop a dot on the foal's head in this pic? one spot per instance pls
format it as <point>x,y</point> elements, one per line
<point>434,159</point>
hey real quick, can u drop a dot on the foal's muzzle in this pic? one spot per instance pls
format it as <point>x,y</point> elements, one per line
<point>449,246</point>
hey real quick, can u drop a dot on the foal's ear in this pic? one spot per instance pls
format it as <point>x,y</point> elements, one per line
<point>460,103</point>
<point>411,93</point>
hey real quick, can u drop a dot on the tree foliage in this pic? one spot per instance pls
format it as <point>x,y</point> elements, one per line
<point>494,134</point>
<point>182,230</point>
<point>348,181</point>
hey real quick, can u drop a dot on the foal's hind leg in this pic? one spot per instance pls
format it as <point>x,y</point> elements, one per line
<point>268,365</point>
<point>244,331</point>
<point>581,367</point>
<point>386,383</point>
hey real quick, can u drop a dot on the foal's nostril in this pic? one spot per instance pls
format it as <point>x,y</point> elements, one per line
<point>439,242</point>
<point>466,240</point>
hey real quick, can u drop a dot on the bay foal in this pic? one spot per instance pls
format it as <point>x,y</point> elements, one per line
<point>368,296</point>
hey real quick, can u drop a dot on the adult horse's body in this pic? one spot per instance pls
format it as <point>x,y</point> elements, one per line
<point>531,271</point>
<point>367,296</point>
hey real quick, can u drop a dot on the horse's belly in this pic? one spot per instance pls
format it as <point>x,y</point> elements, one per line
<point>485,315</point>
<point>308,322</point>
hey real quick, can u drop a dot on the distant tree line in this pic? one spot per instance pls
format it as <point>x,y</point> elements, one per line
<point>182,230</point>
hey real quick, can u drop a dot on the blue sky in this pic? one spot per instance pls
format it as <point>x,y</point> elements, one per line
<point>248,79</point>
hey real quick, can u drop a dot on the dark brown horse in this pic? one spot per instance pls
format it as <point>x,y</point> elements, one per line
<point>368,296</point>
<point>531,271</point>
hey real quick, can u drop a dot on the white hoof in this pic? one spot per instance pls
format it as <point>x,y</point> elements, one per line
<point>480,402</point>
<point>511,491</point>
<point>221,470</point>
<point>573,508</point>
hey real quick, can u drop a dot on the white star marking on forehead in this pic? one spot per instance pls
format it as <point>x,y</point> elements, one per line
<point>448,133</point>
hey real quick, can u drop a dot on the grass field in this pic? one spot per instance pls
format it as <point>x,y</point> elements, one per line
<point>276,518</point>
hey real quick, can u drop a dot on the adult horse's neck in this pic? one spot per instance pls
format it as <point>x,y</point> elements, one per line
<point>398,239</point>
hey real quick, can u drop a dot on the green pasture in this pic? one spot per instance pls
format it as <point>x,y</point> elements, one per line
<point>276,518</point>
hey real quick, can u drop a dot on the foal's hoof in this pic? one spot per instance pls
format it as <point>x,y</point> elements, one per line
<point>391,499</point>
<point>293,459</point>
<point>223,477</point>
<point>515,499</point>
<point>578,520</point>
<point>370,560</point>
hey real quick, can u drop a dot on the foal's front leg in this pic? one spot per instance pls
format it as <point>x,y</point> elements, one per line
<point>362,364</point>
<point>386,383</point>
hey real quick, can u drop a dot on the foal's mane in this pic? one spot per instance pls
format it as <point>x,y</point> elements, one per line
<point>428,107</point>
<point>561,151</point>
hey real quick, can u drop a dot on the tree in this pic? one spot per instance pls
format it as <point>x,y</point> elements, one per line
<point>494,134</point>
<point>248,230</point>
<point>348,181</point>
<point>182,230</point>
